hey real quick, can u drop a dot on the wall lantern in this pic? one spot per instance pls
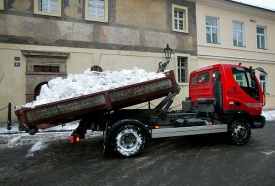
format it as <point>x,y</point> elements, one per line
<point>168,52</point>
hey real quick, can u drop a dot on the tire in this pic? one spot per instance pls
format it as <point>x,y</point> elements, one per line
<point>239,132</point>
<point>128,141</point>
<point>33,130</point>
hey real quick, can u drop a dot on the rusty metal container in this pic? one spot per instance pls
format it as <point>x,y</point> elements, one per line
<point>72,109</point>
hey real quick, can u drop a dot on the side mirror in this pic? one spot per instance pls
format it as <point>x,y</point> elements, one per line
<point>252,75</point>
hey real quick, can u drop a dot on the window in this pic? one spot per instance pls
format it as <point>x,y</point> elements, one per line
<point>96,10</point>
<point>193,80</point>
<point>182,69</point>
<point>216,76</point>
<point>238,34</point>
<point>180,18</point>
<point>240,79</point>
<point>1,4</point>
<point>46,68</point>
<point>261,37</point>
<point>96,68</point>
<point>212,30</point>
<point>263,82</point>
<point>48,7</point>
<point>204,77</point>
<point>245,82</point>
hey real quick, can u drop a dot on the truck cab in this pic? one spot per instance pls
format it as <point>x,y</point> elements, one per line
<point>234,89</point>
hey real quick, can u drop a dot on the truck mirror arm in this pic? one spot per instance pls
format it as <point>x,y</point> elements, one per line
<point>260,69</point>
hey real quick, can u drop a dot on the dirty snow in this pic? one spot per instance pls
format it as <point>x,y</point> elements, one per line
<point>89,82</point>
<point>41,140</point>
<point>269,115</point>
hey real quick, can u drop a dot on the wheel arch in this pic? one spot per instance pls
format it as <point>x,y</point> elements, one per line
<point>124,122</point>
<point>244,115</point>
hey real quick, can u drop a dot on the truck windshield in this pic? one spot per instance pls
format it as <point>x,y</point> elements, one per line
<point>243,78</point>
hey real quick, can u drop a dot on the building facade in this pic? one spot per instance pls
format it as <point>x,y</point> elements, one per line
<point>232,32</point>
<point>44,39</point>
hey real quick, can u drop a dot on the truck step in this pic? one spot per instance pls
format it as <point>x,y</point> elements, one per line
<point>185,131</point>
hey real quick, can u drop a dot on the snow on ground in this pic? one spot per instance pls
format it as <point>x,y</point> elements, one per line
<point>89,82</point>
<point>14,138</point>
<point>269,115</point>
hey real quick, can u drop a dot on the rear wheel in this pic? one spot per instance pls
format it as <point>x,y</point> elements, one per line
<point>128,141</point>
<point>33,130</point>
<point>239,132</point>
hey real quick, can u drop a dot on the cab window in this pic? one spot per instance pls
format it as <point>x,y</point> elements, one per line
<point>193,80</point>
<point>204,77</point>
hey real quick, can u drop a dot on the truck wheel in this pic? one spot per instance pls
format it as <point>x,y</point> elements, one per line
<point>239,132</point>
<point>128,141</point>
<point>33,130</point>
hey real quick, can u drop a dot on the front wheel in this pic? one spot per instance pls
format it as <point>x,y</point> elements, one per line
<point>239,132</point>
<point>128,141</point>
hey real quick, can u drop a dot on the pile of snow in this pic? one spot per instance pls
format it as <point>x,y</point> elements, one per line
<point>89,82</point>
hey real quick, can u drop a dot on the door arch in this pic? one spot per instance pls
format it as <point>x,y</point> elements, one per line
<point>37,89</point>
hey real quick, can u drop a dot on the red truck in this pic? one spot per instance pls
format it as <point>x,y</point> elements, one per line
<point>223,98</point>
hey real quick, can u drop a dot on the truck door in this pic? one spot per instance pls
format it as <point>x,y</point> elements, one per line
<point>193,87</point>
<point>217,90</point>
<point>204,85</point>
<point>246,91</point>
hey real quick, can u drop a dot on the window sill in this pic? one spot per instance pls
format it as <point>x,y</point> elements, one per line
<point>183,84</point>
<point>213,43</point>
<point>48,13</point>
<point>240,46</point>
<point>97,20</point>
<point>182,31</point>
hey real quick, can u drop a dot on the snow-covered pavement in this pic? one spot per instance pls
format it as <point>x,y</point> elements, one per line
<point>14,138</point>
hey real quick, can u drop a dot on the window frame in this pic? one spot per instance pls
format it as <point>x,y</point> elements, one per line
<point>185,18</point>
<point>105,20</point>
<point>187,56</point>
<point>264,81</point>
<point>265,36</point>
<point>218,30</point>
<point>2,5</point>
<point>238,31</point>
<point>39,12</point>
